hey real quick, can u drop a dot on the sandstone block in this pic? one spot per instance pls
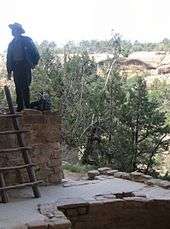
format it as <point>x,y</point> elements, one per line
<point>139,177</point>
<point>92,174</point>
<point>147,177</point>
<point>153,181</point>
<point>164,184</point>
<point>111,172</point>
<point>103,170</point>
<point>122,175</point>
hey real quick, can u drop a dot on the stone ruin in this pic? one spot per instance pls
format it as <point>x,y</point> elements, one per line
<point>115,210</point>
<point>44,137</point>
<point>128,212</point>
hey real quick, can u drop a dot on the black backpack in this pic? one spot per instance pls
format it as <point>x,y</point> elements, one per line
<point>44,103</point>
<point>31,52</point>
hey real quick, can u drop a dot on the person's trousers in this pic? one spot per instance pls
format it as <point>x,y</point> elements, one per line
<point>22,80</point>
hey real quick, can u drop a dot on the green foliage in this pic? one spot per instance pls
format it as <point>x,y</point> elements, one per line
<point>47,77</point>
<point>111,121</point>
<point>78,168</point>
<point>2,77</point>
<point>160,90</point>
<point>145,124</point>
<point>1,95</point>
<point>105,46</point>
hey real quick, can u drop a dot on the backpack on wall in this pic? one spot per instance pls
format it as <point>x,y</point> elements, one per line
<point>44,103</point>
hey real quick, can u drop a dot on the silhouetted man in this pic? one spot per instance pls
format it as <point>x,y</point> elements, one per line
<point>22,56</point>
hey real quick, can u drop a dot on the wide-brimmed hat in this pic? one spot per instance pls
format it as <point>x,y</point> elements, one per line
<point>16,26</point>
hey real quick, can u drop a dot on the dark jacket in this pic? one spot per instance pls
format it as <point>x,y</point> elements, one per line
<point>30,52</point>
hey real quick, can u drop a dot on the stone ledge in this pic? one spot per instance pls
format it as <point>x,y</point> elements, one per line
<point>107,173</point>
<point>103,170</point>
<point>122,175</point>
<point>161,183</point>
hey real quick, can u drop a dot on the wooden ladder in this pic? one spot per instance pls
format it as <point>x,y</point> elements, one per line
<point>22,148</point>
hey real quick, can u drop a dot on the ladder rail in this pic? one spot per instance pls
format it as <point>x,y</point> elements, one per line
<point>3,192</point>
<point>21,142</point>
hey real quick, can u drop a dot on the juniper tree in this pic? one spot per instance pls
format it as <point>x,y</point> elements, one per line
<point>145,126</point>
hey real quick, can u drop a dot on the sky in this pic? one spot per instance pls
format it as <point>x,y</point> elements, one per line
<point>64,20</point>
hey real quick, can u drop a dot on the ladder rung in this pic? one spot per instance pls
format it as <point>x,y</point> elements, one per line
<point>20,185</point>
<point>11,150</point>
<point>10,115</point>
<point>16,167</point>
<point>13,132</point>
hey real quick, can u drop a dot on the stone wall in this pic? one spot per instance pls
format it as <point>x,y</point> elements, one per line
<point>44,137</point>
<point>121,214</point>
<point>112,213</point>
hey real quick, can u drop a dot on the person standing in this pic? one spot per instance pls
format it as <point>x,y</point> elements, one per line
<point>22,57</point>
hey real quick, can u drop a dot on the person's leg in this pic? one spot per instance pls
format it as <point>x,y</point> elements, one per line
<point>26,84</point>
<point>26,97</point>
<point>19,99</point>
<point>18,86</point>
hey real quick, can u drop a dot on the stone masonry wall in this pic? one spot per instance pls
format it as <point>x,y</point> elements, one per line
<point>44,137</point>
<point>126,213</point>
<point>120,214</point>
